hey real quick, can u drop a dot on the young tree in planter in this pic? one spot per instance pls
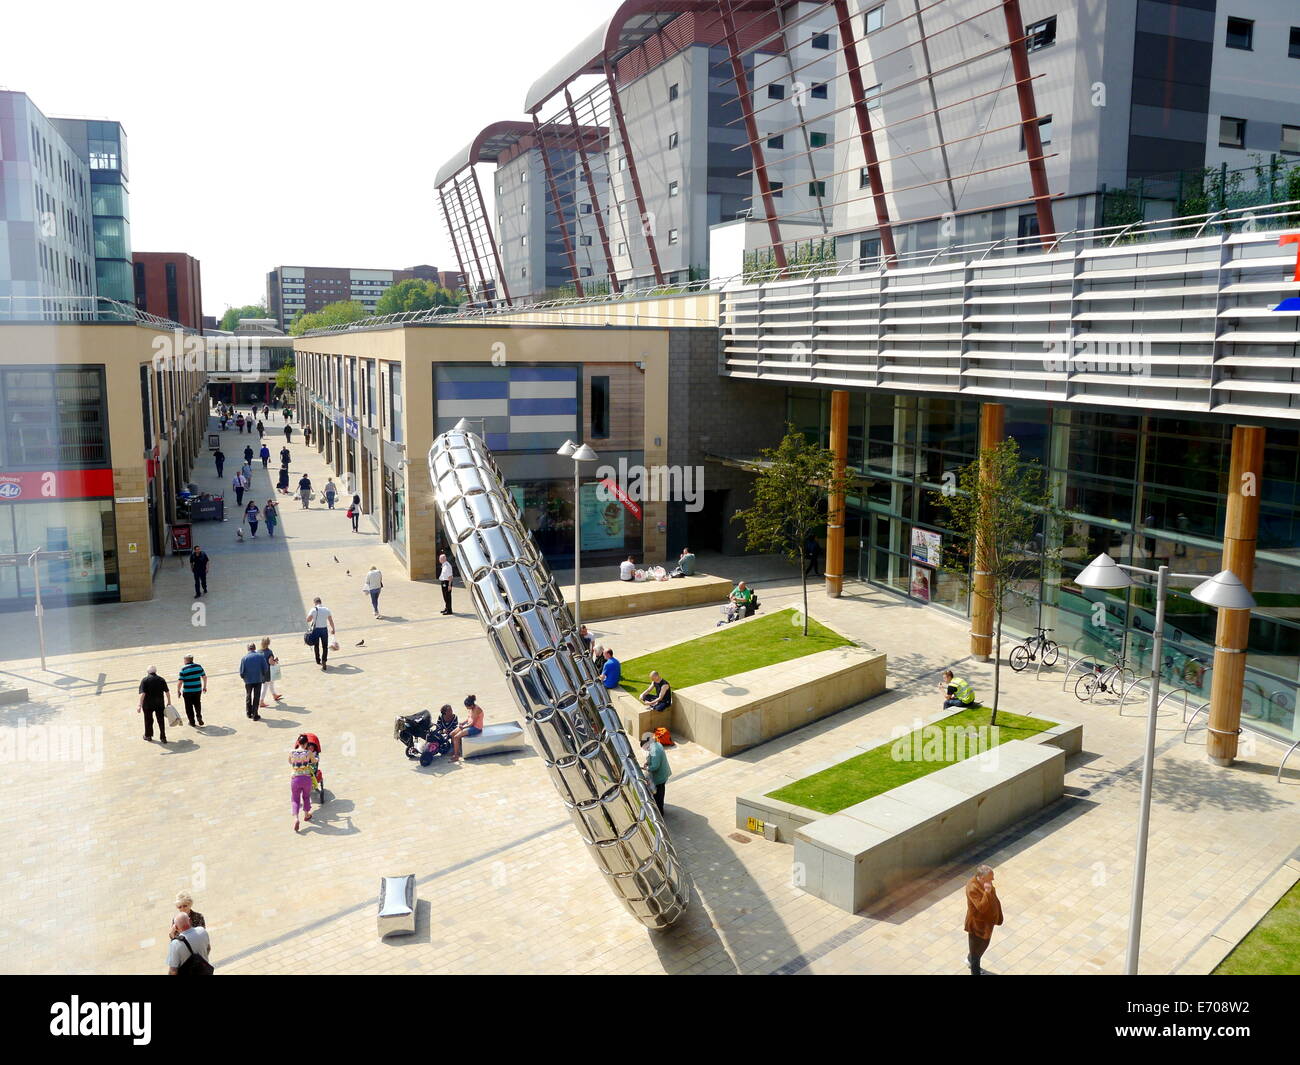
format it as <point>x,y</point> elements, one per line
<point>788,497</point>
<point>997,506</point>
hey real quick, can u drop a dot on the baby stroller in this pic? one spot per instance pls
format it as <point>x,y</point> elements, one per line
<point>411,729</point>
<point>320,777</point>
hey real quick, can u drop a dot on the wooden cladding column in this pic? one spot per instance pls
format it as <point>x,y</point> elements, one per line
<point>1240,529</point>
<point>835,502</point>
<point>993,419</point>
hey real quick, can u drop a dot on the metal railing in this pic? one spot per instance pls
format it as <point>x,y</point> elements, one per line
<point>1243,727</point>
<point>64,309</point>
<point>1283,214</point>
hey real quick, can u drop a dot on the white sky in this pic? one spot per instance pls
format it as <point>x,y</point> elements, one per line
<point>208,91</point>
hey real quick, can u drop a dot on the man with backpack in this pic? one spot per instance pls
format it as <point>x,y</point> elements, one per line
<point>187,954</point>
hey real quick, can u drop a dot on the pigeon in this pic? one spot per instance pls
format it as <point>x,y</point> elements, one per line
<point>309,565</point>
<point>336,558</point>
<point>349,573</point>
<point>361,643</point>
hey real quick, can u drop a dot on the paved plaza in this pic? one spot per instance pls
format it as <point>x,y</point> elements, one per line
<point>96,850</point>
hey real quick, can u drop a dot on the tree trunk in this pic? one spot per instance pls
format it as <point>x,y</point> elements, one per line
<point>997,665</point>
<point>803,578</point>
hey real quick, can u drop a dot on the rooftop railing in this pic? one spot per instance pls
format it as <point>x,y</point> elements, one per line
<point>66,309</point>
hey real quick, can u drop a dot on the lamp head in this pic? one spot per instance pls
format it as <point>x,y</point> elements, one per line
<point>584,454</point>
<point>1103,573</point>
<point>1225,591</point>
<point>567,449</point>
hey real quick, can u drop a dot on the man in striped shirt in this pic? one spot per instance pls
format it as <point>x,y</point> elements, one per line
<point>193,684</point>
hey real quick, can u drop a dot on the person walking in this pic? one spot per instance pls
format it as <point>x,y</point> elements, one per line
<point>307,434</point>
<point>266,412</point>
<point>239,423</point>
<point>261,429</point>
<point>284,456</point>
<point>374,585</point>
<point>282,485</point>
<point>303,760</point>
<point>251,515</point>
<point>248,455</point>
<point>199,562</point>
<point>354,512</point>
<point>983,911</point>
<point>288,431</point>
<point>304,491</point>
<point>187,953</point>
<point>473,725</point>
<point>271,515</point>
<point>153,703</point>
<point>444,578</point>
<point>272,668</point>
<point>331,490</point>
<point>321,620</point>
<point>656,766</point>
<point>265,455</point>
<point>193,683</point>
<point>239,482</point>
<point>219,457</point>
<point>254,672</point>
<point>185,904</point>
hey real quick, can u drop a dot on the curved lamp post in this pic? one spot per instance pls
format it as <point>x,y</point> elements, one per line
<point>1224,591</point>
<point>579,453</point>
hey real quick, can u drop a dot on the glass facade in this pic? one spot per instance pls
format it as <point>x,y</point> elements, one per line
<point>1149,490</point>
<point>53,419</point>
<point>84,527</point>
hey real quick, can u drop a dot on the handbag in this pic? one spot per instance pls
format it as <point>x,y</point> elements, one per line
<point>195,964</point>
<point>307,637</point>
<point>173,715</point>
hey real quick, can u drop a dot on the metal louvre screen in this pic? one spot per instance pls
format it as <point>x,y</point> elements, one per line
<point>567,711</point>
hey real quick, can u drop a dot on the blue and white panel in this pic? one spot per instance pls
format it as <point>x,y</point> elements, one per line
<point>517,408</point>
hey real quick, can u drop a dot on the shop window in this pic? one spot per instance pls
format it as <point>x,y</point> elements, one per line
<point>599,407</point>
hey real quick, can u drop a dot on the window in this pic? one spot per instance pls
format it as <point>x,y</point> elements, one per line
<point>584,271</point>
<point>872,95</point>
<point>1044,131</point>
<point>672,92</point>
<point>622,248</point>
<point>873,19</point>
<point>672,188</point>
<point>819,91</point>
<point>585,240</point>
<point>672,236</point>
<point>777,187</point>
<point>1232,132</point>
<point>1294,48</point>
<point>523,208</point>
<point>1026,227</point>
<point>817,139</point>
<point>523,242</point>
<point>54,418</point>
<point>600,407</point>
<point>821,41</point>
<point>776,142</point>
<point>864,179</point>
<point>523,177</point>
<point>1040,34</point>
<point>1291,140</point>
<point>776,91</point>
<point>868,249</point>
<point>816,188</point>
<point>395,402</point>
<point>584,208</point>
<point>523,271</point>
<point>672,140</point>
<point>1241,34</point>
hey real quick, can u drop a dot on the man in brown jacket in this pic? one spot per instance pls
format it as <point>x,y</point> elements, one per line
<point>983,911</point>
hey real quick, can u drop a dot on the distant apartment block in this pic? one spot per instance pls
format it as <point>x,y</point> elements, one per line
<point>295,290</point>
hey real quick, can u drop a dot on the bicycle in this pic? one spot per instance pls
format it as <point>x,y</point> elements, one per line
<point>1114,679</point>
<point>1034,646</point>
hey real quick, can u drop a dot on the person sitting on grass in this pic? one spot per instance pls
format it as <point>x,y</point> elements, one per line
<point>659,696</point>
<point>960,694</point>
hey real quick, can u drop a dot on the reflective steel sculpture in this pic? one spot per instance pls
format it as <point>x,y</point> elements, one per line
<point>568,712</point>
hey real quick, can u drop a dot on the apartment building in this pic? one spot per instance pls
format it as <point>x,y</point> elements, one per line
<point>295,290</point>
<point>169,285</point>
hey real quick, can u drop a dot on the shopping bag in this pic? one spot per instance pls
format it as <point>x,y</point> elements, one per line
<point>173,715</point>
<point>275,672</point>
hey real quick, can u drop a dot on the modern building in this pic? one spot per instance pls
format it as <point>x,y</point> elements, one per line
<point>47,229</point>
<point>295,290</point>
<point>169,285</point>
<point>101,423</point>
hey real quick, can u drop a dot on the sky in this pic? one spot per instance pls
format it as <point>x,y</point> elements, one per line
<point>270,133</point>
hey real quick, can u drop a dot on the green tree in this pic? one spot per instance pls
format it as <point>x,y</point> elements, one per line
<point>231,318</point>
<point>1004,506</point>
<point>789,492</point>
<point>286,381</point>
<point>415,294</point>
<point>332,314</point>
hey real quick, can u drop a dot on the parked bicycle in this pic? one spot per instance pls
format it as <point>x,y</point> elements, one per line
<point>1034,647</point>
<point>1114,679</point>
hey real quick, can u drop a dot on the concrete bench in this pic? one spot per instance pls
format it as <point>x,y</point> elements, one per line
<point>735,713</point>
<point>863,853</point>
<point>620,599</point>
<point>494,739</point>
<point>396,905</point>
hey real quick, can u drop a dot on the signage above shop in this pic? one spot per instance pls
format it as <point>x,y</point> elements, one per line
<point>45,485</point>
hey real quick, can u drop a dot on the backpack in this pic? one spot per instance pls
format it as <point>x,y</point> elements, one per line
<point>195,964</point>
<point>663,737</point>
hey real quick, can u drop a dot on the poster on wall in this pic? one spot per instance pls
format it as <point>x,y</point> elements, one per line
<point>927,546</point>
<point>602,520</point>
<point>921,578</point>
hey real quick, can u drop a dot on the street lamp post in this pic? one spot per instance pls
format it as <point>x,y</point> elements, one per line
<point>1224,591</point>
<point>579,453</point>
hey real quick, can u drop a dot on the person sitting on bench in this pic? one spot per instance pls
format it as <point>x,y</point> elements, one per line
<point>659,696</point>
<point>960,694</point>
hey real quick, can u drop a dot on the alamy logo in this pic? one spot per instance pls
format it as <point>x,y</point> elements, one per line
<point>654,484</point>
<point>75,1017</point>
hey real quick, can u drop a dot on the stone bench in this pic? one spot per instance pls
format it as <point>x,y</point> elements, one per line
<point>494,739</point>
<point>861,854</point>
<point>620,599</point>
<point>735,713</point>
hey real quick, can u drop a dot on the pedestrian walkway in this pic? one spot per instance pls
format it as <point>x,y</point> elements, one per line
<point>503,878</point>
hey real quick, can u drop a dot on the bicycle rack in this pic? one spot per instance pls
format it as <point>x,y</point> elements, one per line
<point>1247,728</point>
<point>1072,665</point>
<point>1289,752</point>
<point>1141,682</point>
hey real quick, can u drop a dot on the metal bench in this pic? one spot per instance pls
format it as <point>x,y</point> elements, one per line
<point>396,905</point>
<point>494,739</point>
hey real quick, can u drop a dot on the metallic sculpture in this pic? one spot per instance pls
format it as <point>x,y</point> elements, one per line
<point>568,712</point>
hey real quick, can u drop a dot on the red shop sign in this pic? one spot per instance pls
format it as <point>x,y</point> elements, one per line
<point>55,484</point>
